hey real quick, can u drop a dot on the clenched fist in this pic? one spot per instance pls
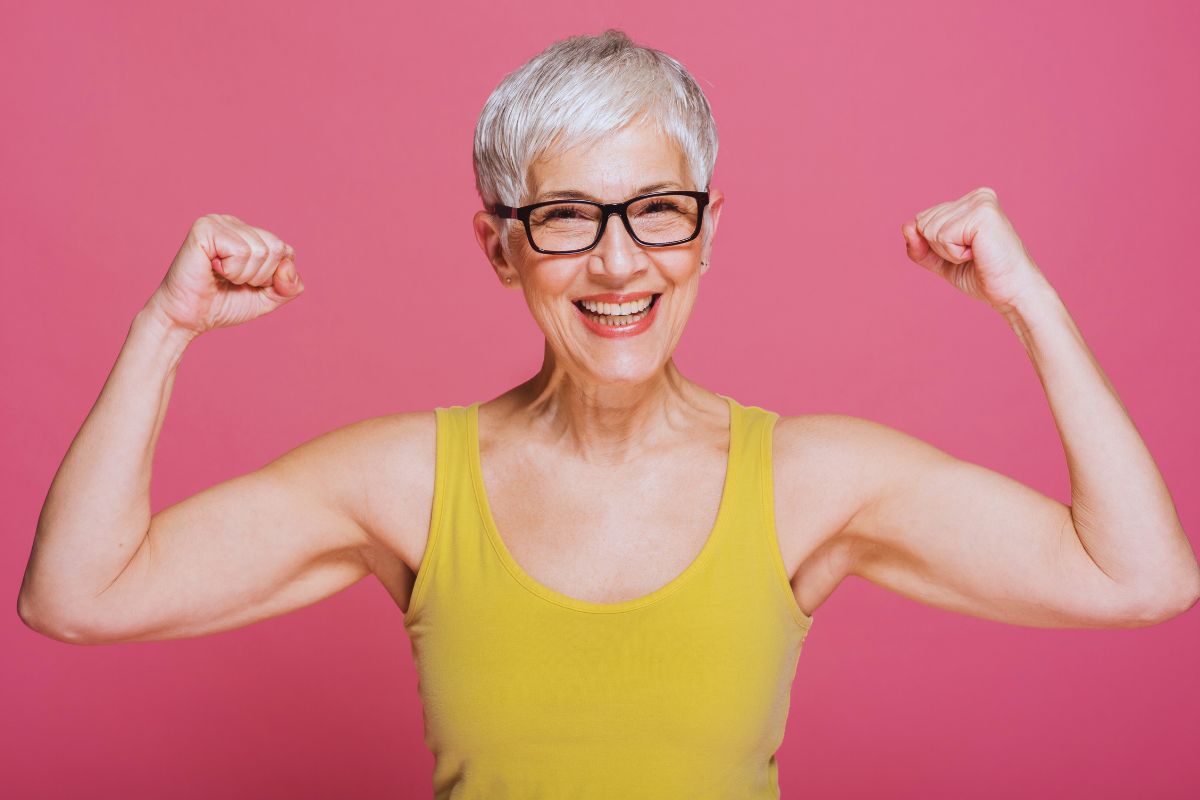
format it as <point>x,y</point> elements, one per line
<point>226,273</point>
<point>971,243</point>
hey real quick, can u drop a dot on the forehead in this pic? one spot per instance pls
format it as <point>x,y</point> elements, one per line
<point>611,168</point>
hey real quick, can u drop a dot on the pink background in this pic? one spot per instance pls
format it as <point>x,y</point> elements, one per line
<point>346,129</point>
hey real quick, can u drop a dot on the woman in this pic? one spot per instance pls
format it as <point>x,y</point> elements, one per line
<point>608,571</point>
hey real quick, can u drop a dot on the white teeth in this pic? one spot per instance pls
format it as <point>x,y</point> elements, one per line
<point>617,321</point>
<point>617,309</point>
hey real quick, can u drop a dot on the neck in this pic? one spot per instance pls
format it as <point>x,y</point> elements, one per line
<point>608,421</point>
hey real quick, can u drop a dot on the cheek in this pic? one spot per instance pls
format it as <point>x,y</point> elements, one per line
<point>549,278</point>
<point>547,291</point>
<point>681,269</point>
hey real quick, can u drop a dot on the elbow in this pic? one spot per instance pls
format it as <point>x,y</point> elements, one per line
<point>1154,608</point>
<point>1186,596</point>
<point>29,615</point>
<point>1186,600</point>
<point>50,625</point>
<point>1167,611</point>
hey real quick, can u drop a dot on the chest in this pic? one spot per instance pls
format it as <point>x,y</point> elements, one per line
<point>604,532</point>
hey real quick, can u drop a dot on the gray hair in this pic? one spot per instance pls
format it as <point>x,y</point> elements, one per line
<point>578,90</point>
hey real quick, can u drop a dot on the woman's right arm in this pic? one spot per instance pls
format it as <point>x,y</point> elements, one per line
<point>103,568</point>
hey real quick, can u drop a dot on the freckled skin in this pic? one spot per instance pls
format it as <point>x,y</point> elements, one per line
<point>610,170</point>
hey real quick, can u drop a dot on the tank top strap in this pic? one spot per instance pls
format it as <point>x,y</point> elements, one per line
<point>452,492</point>
<point>753,501</point>
<point>741,499</point>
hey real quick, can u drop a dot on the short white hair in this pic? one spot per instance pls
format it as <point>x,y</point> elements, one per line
<point>578,90</point>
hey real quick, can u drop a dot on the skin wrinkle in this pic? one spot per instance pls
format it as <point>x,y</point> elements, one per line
<point>577,194</point>
<point>611,398</point>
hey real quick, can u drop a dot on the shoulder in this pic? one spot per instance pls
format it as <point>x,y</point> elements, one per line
<point>858,449</point>
<point>356,451</point>
<point>826,468</point>
<point>382,468</point>
<point>818,461</point>
<point>837,438</point>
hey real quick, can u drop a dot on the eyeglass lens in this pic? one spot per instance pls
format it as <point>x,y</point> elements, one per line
<point>655,220</point>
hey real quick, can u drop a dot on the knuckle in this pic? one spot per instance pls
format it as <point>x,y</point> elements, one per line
<point>989,208</point>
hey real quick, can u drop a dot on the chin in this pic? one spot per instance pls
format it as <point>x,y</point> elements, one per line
<point>627,372</point>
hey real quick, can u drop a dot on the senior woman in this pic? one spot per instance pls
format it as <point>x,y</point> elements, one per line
<point>608,571</point>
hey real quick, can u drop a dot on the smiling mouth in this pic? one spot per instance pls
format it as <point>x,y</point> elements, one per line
<point>617,314</point>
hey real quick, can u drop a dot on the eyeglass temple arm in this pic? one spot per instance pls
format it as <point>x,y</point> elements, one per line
<point>506,212</point>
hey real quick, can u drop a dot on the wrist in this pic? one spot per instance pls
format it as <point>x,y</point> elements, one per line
<point>1034,312</point>
<point>154,323</point>
<point>1037,299</point>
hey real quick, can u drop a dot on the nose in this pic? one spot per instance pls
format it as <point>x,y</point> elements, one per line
<point>616,255</point>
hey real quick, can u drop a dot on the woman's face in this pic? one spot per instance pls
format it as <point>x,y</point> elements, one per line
<point>632,161</point>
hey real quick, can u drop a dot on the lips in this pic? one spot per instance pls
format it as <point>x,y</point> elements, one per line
<point>621,327</point>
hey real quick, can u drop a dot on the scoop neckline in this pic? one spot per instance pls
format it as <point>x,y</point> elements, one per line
<point>579,604</point>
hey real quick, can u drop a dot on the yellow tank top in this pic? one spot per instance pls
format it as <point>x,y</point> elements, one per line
<point>530,693</point>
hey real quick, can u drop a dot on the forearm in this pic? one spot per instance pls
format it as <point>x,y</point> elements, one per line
<point>97,510</point>
<point>1120,505</point>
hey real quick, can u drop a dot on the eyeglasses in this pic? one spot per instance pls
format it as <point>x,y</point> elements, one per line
<point>658,219</point>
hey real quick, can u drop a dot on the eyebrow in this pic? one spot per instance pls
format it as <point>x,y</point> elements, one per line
<point>575,194</point>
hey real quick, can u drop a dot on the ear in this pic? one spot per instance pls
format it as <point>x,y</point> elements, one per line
<point>716,199</point>
<point>489,233</point>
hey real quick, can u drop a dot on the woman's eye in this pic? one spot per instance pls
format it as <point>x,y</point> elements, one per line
<point>659,207</point>
<point>562,213</point>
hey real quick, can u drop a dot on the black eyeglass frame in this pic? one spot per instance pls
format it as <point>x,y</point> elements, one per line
<point>606,210</point>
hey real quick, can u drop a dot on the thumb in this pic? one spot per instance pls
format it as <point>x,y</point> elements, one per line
<point>287,281</point>
<point>920,252</point>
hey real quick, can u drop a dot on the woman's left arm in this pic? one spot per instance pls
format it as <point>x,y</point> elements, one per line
<point>1120,506</point>
<point>1121,511</point>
